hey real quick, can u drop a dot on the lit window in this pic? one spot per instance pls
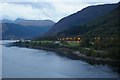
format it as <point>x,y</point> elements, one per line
<point>112,38</point>
<point>98,37</point>
<point>67,38</point>
<point>78,38</point>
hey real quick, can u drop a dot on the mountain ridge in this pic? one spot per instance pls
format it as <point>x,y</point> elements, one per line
<point>25,22</point>
<point>103,26</point>
<point>12,29</point>
<point>80,17</point>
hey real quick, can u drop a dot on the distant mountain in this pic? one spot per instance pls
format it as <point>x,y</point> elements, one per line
<point>29,22</point>
<point>34,22</point>
<point>6,21</point>
<point>24,29</point>
<point>104,26</point>
<point>81,17</point>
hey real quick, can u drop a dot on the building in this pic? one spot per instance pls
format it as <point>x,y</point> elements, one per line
<point>69,39</point>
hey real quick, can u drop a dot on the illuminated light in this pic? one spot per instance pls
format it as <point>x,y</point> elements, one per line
<point>74,38</point>
<point>60,38</point>
<point>70,38</point>
<point>98,37</point>
<point>78,38</point>
<point>112,38</point>
<point>95,38</point>
<point>63,39</point>
<point>67,38</point>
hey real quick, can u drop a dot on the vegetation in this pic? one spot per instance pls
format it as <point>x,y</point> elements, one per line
<point>100,36</point>
<point>81,17</point>
<point>99,48</point>
<point>104,26</point>
<point>99,39</point>
<point>104,48</point>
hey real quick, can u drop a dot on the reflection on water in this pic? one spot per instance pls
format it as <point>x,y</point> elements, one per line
<point>31,63</point>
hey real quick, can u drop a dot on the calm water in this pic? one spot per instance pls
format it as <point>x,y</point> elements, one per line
<point>31,63</point>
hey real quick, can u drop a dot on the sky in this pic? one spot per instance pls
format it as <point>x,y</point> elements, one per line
<point>44,9</point>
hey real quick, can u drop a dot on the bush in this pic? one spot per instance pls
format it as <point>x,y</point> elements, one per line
<point>114,53</point>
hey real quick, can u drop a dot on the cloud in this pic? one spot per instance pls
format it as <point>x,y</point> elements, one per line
<point>54,10</point>
<point>103,1</point>
<point>13,11</point>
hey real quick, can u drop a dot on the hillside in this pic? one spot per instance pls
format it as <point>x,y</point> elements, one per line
<point>24,29</point>
<point>103,26</point>
<point>81,17</point>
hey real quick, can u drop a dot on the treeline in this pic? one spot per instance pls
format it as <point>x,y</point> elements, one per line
<point>102,47</point>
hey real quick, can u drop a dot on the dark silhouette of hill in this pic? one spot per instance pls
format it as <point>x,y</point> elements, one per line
<point>85,15</point>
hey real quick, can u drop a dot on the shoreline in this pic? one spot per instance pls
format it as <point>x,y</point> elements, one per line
<point>72,54</point>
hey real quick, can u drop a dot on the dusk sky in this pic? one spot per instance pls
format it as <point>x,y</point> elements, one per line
<point>47,9</point>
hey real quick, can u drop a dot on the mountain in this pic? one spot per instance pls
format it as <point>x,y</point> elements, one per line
<point>106,25</point>
<point>29,22</point>
<point>24,29</point>
<point>5,21</point>
<point>80,17</point>
<point>34,22</point>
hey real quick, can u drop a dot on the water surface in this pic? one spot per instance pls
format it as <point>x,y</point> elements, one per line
<point>32,63</point>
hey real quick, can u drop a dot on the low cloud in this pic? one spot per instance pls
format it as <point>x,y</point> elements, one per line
<point>41,10</point>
